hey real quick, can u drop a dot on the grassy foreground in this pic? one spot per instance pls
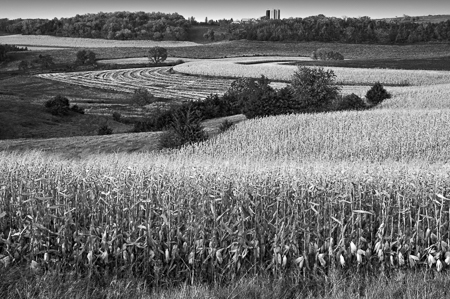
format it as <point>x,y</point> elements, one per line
<point>21,283</point>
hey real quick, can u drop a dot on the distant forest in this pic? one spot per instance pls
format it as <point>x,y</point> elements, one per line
<point>159,26</point>
<point>346,30</point>
<point>117,25</point>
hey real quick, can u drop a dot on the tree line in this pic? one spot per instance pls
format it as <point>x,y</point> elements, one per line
<point>345,30</point>
<point>117,25</point>
<point>159,26</point>
<point>4,49</point>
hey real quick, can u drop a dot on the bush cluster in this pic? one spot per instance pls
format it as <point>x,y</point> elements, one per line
<point>104,130</point>
<point>213,106</point>
<point>311,90</point>
<point>377,94</point>
<point>45,61</point>
<point>116,116</point>
<point>184,128</point>
<point>142,97</point>
<point>85,57</point>
<point>60,106</point>
<point>326,54</point>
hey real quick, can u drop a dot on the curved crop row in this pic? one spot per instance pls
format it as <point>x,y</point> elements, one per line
<point>159,81</point>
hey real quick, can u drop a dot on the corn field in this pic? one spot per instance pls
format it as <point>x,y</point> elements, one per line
<point>189,216</point>
<point>378,135</point>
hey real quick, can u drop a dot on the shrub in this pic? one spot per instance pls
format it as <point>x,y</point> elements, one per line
<point>225,126</point>
<point>105,130</point>
<point>85,57</point>
<point>160,122</point>
<point>170,139</point>
<point>350,102</point>
<point>77,109</point>
<point>377,94</point>
<point>116,116</point>
<point>214,106</point>
<point>314,89</point>
<point>250,94</point>
<point>59,105</point>
<point>185,128</point>
<point>23,65</point>
<point>45,61</point>
<point>142,97</point>
<point>326,54</point>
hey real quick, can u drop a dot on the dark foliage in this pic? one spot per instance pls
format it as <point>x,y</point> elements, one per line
<point>85,57</point>
<point>326,54</point>
<point>345,30</point>
<point>23,65</point>
<point>59,105</point>
<point>350,102</point>
<point>209,35</point>
<point>104,130</point>
<point>120,25</point>
<point>314,89</point>
<point>77,109</point>
<point>211,107</point>
<point>142,97</point>
<point>45,61</point>
<point>4,49</point>
<point>377,94</point>
<point>116,116</point>
<point>184,128</point>
<point>157,123</point>
<point>157,54</point>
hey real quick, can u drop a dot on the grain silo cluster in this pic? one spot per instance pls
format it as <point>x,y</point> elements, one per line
<point>273,14</point>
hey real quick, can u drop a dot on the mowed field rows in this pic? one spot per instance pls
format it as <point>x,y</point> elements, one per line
<point>159,81</point>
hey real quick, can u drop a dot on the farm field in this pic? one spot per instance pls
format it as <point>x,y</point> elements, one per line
<point>216,75</point>
<point>80,147</point>
<point>295,196</point>
<point>226,49</point>
<point>55,41</point>
<point>159,81</point>
<point>281,72</point>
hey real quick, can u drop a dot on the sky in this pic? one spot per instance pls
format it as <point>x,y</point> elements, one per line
<point>220,9</point>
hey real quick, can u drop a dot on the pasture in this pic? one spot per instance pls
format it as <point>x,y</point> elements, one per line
<point>295,196</point>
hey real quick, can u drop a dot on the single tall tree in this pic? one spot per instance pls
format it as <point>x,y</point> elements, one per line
<point>157,54</point>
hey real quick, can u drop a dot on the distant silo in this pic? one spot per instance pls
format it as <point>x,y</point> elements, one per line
<point>273,14</point>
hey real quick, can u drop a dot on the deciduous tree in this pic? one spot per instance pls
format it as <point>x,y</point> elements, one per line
<point>157,54</point>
